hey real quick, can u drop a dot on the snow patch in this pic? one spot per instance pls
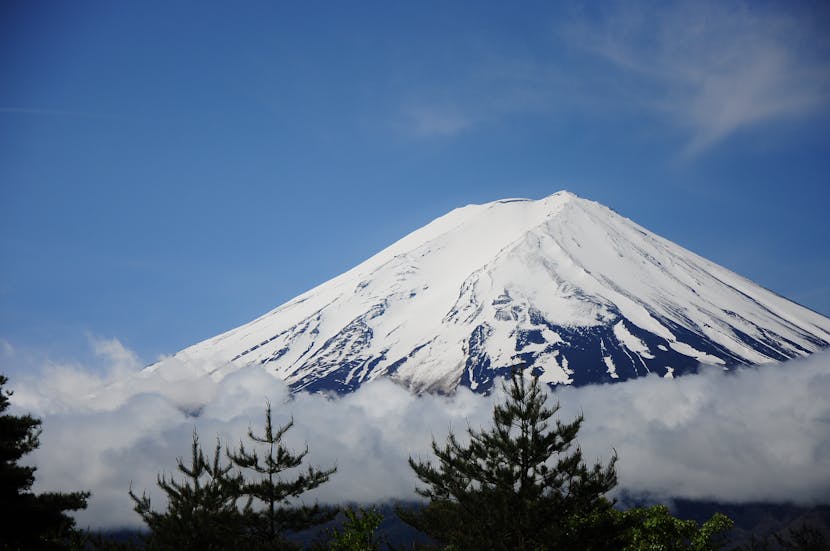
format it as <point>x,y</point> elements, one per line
<point>553,371</point>
<point>630,341</point>
<point>612,369</point>
<point>702,357</point>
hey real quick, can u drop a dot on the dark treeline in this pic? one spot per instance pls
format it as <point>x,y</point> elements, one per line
<point>520,484</point>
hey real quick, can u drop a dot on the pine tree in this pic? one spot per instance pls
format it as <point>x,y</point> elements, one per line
<point>29,521</point>
<point>273,490</point>
<point>519,485</point>
<point>202,512</point>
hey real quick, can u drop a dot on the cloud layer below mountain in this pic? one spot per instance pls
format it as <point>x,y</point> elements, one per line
<point>759,434</point>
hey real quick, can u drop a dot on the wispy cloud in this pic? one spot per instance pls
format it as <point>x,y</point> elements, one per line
<point>431,121</point>
<point>756,434</point>
<point>50,112</point>
<point>487,88</point>
<point>707,70</point>
<point>712,68</point>
<point>6,349</point>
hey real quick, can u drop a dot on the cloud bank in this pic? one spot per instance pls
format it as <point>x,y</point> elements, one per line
<point>759,434</point>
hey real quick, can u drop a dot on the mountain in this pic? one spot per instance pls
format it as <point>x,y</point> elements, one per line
<point>570,288</point>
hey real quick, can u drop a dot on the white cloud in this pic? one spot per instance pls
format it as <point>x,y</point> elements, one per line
<point>713,68</point>
<point>6,348</point>
<point>427,122</point>
<point>115,354</point>
<point>757,434</point>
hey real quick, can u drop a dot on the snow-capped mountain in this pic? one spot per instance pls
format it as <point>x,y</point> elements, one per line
<point>576,292</point>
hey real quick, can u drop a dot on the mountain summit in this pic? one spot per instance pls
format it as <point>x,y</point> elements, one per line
<point>566,286</point>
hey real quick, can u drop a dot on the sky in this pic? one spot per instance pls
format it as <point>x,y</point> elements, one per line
<point>171,170</point>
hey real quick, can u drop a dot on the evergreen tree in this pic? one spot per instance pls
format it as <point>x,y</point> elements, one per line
<point>29,521</point>
<point>273,490</point>
<point>521,484</point>
<point>202,512</point>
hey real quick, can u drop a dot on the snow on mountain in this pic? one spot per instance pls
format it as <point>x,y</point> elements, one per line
<point>576,292</point>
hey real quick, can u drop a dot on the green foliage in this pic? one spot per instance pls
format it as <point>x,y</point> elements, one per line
<point>521,484</point>
<point>29,521</point>
<point>202,512</point>
<point>273,490</point>
<point>358,531</point>
<point>655,529</point>
<point>712,534</point>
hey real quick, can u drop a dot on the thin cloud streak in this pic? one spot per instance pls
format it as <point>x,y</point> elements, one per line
<point>51,112</point>
<point>712,69</point>
<point>428,122</point>
<point>760,434</point>
<point>487,88</point>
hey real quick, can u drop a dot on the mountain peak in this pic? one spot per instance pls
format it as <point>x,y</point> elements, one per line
<point>564,194</point>
<point>563,285</point>
<point>559,196</point>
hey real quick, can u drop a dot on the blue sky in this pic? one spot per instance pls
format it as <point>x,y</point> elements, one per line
<point>169,170</point>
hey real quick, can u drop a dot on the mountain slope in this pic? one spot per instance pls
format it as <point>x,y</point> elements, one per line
<point>567,286</point>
